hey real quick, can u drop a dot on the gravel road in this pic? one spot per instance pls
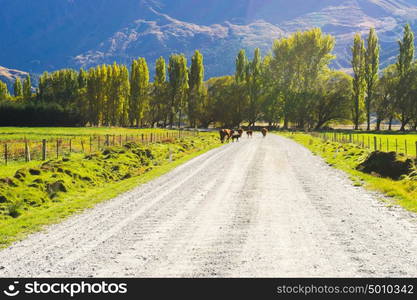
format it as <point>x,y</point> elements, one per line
<point>257,208</point>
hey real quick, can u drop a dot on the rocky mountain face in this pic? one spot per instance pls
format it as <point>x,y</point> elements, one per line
<point>52,34</point>
<point>9,76</point>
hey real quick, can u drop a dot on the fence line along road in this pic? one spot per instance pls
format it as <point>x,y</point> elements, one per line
<point>372,142</point>
<point>28,150</point>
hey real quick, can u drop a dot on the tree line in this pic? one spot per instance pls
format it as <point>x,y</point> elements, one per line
<point>293,85</point>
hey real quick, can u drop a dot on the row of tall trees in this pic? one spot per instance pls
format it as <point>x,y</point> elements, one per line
<point>21,91</point>
<point>113,95</point>
<point>390,94</point>
<point>293,85</point>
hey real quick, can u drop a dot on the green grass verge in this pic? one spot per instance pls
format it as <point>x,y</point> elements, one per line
<point>385,141</point>
<point>39,133</point>
<point>347,157</point>
<point>46,194</point>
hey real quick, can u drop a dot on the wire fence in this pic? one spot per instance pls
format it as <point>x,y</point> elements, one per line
<point>406,145</point>
<point>29,150</point>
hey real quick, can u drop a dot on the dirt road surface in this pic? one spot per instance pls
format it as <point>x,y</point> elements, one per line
<point>257,208</point>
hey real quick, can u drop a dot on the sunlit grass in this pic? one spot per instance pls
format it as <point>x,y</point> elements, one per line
<point>102,183</point>
<point>347,157</point>
<point>39,133</point>
<point>399,142</point>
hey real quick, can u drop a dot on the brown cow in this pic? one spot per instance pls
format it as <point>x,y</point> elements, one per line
<point>236,137</point>
<point>264,132</point>
<point>249,133</point>
<point>225,135</point>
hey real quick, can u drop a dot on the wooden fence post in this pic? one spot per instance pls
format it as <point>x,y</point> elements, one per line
<point>375,144</point>
<point>406,150</point>
<point>82,145</point>
<point>43,150</point>
<point>143,138</point>
<point>57,148</point>
<point>6,153</point>
<point>70,145</point>
<point>107,140</point>
<point>396,145</point>
<point>26,151</point>
<point>91,143</point>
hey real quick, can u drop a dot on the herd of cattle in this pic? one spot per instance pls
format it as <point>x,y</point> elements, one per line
<point>229,134</point>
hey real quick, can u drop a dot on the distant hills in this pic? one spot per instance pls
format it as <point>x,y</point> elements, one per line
<point>9,76</point>
<point>52,34</point>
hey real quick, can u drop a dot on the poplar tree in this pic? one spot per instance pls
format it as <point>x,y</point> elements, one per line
<point>124,95</point>
<point>27,88</point>
<point>196,88</point>
<point>358,65</point>
<point>254,87</point>
<point>371,72</point>
<point>160,100</point>
<point>139,89</point>
<point>18,88</point>
<point>404,66</point>
<point>178,85</point>
<point>113,109</point>
<point>241,66</point>
<point>4,92</point>
<point>82,102</point>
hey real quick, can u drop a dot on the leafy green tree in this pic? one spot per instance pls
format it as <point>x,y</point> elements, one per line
<point>297,62</point>
<point>118,95</point>
<point>241,66</point>
<point>196,88</point>
<point>254,84</point>
<point>160,106</point>
<point>371,72</point>
<point>139,91</point>
<point>384,104</point>
<point>241,88</point>
<point>59,87</point>
<point>178,86</point>
<point>82,101</point>
<point>27,88</point>
<point>96,94</point>
<point>18,88</point>
<point>271,109</point>
<point>404,66</point>
<point>223,97</point>
<point>358,65</point>
<point>332,100</point>
<point>4,92</point>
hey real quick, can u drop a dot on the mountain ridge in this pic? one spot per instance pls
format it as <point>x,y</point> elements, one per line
<point>56,34</point>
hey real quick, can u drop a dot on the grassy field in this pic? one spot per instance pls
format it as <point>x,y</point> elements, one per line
<point>26,144</point>
<point>38,194</point>
<point>405,143</point>
<point>348,156</point>
<point>39,133</point>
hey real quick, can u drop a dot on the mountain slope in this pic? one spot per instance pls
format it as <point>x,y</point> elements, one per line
<point>9,76</point>
<point>51,34</point>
